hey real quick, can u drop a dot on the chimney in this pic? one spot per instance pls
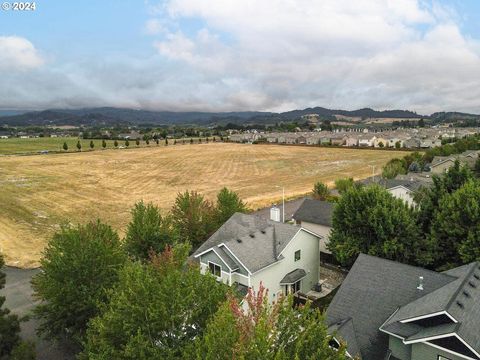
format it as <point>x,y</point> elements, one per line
<point>420,283</point>
<point>275,213</point>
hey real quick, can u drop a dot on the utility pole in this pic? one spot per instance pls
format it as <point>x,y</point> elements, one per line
<point>373,172</point>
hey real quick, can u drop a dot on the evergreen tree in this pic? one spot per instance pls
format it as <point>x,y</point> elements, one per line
<point>127,143</point>
<point>191,141</point>
<point>137,142</point>
<point>104,144</point>
<point>166,141</point>
<point>79,145</point>
<point>92,144</point>
<point>79,267</point>
<point>228,203</point>
<point>148,231</point>
<point>65,146</point>
<point>115,143</point>
<point>370,220</point>
<point>193,217</point>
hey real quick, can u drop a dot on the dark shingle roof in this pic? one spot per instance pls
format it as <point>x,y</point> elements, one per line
<point>315,211</point>
<point>458,298</point>
<point>255,241</point>
<point>410,184</point>
<point>293,276</point>
<point>372,291</point>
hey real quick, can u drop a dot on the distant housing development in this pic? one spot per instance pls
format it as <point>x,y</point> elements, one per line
<point>421,138</point>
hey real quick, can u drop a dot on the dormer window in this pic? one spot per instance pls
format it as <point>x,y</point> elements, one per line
<point>215,269</point>
<point>297,255</point>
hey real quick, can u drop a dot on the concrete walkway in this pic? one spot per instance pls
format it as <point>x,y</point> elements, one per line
<point>18,293</point>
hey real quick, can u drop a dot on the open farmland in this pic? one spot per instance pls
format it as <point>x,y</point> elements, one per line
<point>38,193</point>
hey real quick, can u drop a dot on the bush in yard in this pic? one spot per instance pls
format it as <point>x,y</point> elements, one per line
<point>92,144</point>
<point>115,143</point>
<point>342,185</point>
<point>79,266</point>
<point>104,144</point>
<point>320,191</point>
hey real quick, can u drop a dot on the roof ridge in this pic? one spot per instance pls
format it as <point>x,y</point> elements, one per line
<point>411,266</point>
<point>462,284</point>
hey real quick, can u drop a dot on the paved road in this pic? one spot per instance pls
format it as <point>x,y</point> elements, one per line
<point>18,293</point>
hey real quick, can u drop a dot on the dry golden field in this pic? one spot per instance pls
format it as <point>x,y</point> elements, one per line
<point>37,193</point>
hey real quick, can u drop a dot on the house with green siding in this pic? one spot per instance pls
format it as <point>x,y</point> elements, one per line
<point>385,310</point>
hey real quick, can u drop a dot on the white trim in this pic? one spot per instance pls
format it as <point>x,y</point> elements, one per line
<point>236,258</point>
<point>312,232</point>
<point>468,346</point>
<point>398,187</point>
<point>213,249</point>
<point>429,316</point>
<point>425,339</point>
<point>449,351</point>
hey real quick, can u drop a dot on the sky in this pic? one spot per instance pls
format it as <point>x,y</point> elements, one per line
<point>231,55</point>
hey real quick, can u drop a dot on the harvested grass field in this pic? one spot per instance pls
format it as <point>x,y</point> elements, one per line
<point>40,192</point>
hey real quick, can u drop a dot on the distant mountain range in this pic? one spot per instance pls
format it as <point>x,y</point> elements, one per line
<point>114,116</point>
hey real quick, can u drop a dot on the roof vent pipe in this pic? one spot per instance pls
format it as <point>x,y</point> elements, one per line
<point>420,283</point>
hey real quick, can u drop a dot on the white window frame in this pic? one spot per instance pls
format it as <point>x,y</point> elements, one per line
<point>213,273</point>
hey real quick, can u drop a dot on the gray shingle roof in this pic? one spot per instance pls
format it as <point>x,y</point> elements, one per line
<point>293,276</point>
<point>255,241</point>
<point>458,298</point>
<point>315,211</point>
<point>372,291</point>
<point>411,184</point>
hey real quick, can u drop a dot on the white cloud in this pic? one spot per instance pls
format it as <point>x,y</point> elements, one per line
<point>18,53</point>
<point>154,27</point>
<point>222,55</point>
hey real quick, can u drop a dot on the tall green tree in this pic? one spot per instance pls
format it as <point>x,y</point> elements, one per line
<point>320,191</point>
<point>115,143</point>
<point>104,144</point>
<point>65,146</point>
<point>148,231</point>
<point>455,231</point>
<point>428,198</point>
<point>394,167</point>
<point>92,144</point>
<point>79,266</point>
<point>266,331</point>
<point>79,145</point>
<point>193,217</point>
<point>370,220</point>
<point>156,311</point>
<point>228,203</point>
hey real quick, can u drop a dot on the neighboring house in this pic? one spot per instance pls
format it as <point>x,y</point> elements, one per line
<point>385,310</point>
<point>441,164</point>
<point>401,189</point>
<point>248,250</point>
<point>351,141</point>
<point>316,216</point>
<point>412,143</point>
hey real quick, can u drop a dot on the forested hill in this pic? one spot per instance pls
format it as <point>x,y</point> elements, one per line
<point>113,116</point>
